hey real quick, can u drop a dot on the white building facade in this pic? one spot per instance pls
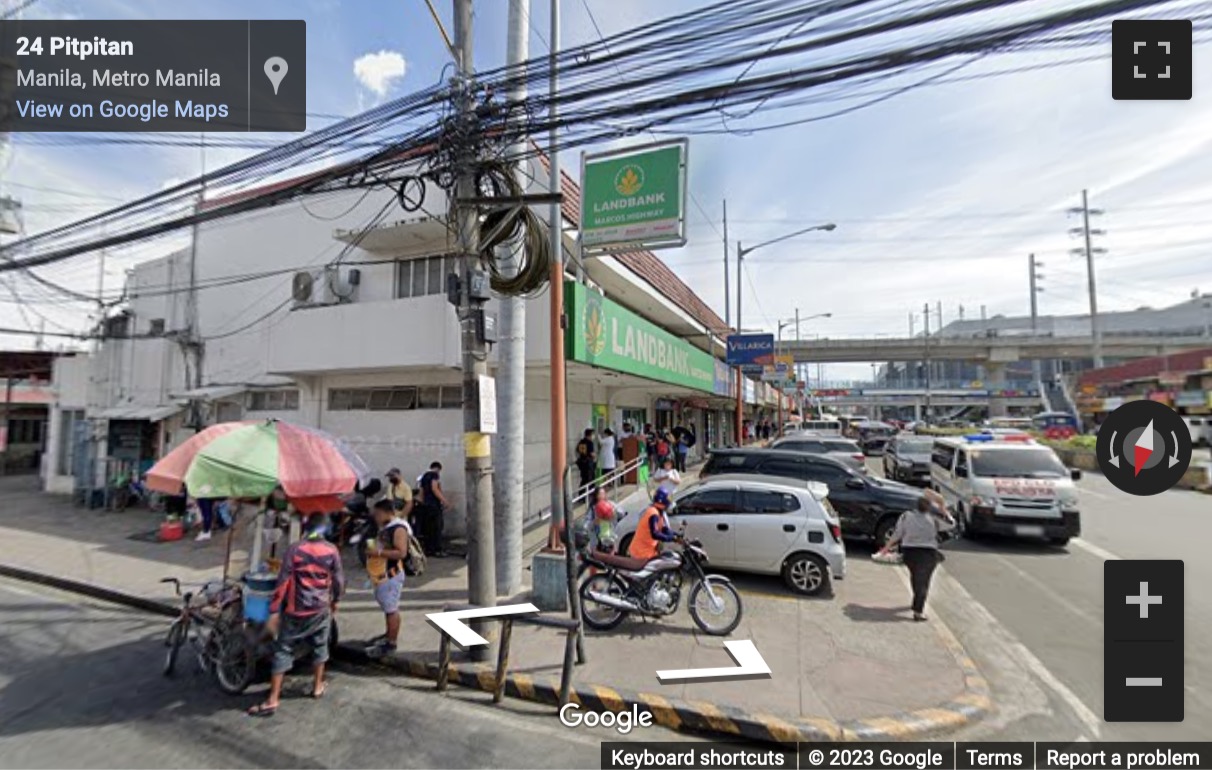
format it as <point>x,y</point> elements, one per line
<point>328,313</point>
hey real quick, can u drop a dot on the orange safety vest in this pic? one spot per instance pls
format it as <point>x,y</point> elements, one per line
<point>643,544</point>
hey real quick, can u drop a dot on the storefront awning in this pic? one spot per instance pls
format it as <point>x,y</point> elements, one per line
<point>149,413</point>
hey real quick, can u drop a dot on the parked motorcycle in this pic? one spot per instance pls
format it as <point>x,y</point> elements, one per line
<point>620,586</point>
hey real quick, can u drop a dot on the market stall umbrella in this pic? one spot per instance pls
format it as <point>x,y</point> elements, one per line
<point>249,459</point>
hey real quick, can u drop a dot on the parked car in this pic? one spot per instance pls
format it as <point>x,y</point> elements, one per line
<point>873,436</point>
<point>907,459</point>
<point>761,524</point>
<point>1200,429</point>
<point>838,448</point>
<point>866,506</point>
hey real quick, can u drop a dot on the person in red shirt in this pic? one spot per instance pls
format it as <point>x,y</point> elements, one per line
<point>310,585</point>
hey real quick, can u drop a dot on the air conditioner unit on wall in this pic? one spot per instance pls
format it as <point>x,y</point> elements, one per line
<point>329,285</point>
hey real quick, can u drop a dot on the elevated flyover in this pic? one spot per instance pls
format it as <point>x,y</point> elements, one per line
<point>982,349</point>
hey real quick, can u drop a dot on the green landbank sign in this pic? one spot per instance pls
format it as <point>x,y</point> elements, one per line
<point>634,198</point>
<point>608,335</point>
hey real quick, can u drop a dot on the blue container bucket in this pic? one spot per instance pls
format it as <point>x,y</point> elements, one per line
<point>258,593</point>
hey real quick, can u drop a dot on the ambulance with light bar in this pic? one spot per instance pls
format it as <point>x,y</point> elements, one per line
<point>1006,485</point>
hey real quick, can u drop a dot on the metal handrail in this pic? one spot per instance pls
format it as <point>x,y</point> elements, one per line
<point>570,627</point>
<point>584,492</point>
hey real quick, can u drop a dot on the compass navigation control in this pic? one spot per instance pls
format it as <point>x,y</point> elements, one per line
<point>1144,448</point>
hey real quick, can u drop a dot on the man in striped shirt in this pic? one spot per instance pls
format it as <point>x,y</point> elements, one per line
<point>310,585</point>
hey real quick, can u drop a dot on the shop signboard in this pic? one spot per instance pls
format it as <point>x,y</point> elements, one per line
<point>1111,404</point>
<point>605,334</point>
<point>634,198</point>
<point>1194,398</point>
<point>1172,378</point>
<point>723,379</point>
<point>750,350</point>
<point>750,392</point>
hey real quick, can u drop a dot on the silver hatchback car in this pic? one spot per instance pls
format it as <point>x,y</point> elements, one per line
<point>760,524</point>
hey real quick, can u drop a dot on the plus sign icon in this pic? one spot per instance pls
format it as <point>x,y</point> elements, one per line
<point>1151,60</point>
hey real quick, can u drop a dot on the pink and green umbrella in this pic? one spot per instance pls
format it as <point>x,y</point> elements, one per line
<point>250,459</point>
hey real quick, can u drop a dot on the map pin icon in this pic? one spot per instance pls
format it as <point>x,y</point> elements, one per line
<point>275,70</point>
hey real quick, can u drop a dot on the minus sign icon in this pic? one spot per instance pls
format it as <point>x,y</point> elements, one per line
<point>1144,681</point>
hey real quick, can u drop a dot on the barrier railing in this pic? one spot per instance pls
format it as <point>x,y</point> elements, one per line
<point>570,627</point>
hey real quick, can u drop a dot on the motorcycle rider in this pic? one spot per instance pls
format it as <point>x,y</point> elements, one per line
<point>652,529</point>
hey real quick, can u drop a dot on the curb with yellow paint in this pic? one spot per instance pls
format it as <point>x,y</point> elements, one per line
<point>713,718</point>
<point>696,716</point>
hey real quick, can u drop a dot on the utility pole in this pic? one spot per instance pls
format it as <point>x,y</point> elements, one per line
<point>1096,335</point>
<point>961,312</point>
<point>926,346</point>
<point>938,323</point>
<point>510,477</point>
<point>740,380</point>
<point>481,570</point>
<point>1036,364</point>
<point>911,325</point>
<point>727,298</point>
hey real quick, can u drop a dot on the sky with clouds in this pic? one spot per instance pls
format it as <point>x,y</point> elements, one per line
<point>938,194</point>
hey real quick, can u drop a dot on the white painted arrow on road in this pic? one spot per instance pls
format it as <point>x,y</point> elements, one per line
<point>749,662</point>
<point>452,622</point>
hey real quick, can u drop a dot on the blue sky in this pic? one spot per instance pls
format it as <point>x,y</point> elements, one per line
<point>939,194</point>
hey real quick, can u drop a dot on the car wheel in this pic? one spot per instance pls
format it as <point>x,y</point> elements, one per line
<point>1059,541</point>
<point>883,530</point>
<point>806,574</point>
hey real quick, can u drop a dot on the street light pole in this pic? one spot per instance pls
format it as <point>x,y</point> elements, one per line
<point>741,251</point>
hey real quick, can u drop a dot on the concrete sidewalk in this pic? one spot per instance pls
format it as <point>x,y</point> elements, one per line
<point>850,666</point>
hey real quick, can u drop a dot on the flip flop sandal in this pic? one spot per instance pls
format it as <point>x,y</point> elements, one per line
<point>262,710</point>
<point>318,694</point>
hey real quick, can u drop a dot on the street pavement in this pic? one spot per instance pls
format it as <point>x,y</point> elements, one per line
<point>1031,615</point>
<point>80,686</point>
<point>853,655</point>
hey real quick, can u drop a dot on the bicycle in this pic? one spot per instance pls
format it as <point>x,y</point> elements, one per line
<point>210,621</point>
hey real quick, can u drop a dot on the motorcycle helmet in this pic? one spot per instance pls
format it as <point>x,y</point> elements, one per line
<point>661,499</point>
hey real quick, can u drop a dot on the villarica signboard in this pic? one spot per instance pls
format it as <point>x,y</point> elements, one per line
<point>634,198</point>
<point>605,334</point>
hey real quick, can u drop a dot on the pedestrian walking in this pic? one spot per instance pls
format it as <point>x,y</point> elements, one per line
<point>433,504</point>
<point>917,535</point>
<point>587,459</point>
<point>310,584</point>
<point>385,563</point>
<point>682,449</point>
<point>608,454</point>
<point>667,478</point>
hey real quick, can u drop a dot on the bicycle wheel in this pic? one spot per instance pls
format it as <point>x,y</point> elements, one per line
<point>235,661</point>
<point>177,633</point>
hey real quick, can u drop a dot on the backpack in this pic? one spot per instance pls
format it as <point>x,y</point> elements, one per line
<point>688,439</point>
<point>416,561</point>
<point>662,448</point>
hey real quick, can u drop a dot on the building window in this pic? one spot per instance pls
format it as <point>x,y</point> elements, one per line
<point>25,431</point>
<point>422,277</point>
<point>397,399</point>
<point>283,400</point>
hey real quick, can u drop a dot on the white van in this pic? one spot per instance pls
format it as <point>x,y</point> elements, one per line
<point>1006,485</point>
<point>821,427</point>
<point>1201,430</point>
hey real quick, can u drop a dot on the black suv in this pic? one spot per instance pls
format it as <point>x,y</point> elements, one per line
<point>866,506</point>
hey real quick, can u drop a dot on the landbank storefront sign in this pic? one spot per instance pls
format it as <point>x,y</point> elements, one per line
<point>604,333</point>
<point>634,198</point>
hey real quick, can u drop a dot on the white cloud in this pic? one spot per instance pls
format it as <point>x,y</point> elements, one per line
<point>377,71</point>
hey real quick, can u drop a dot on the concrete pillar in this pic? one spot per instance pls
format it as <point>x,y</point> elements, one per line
<point>996,380</point>
<point>917,410</point>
